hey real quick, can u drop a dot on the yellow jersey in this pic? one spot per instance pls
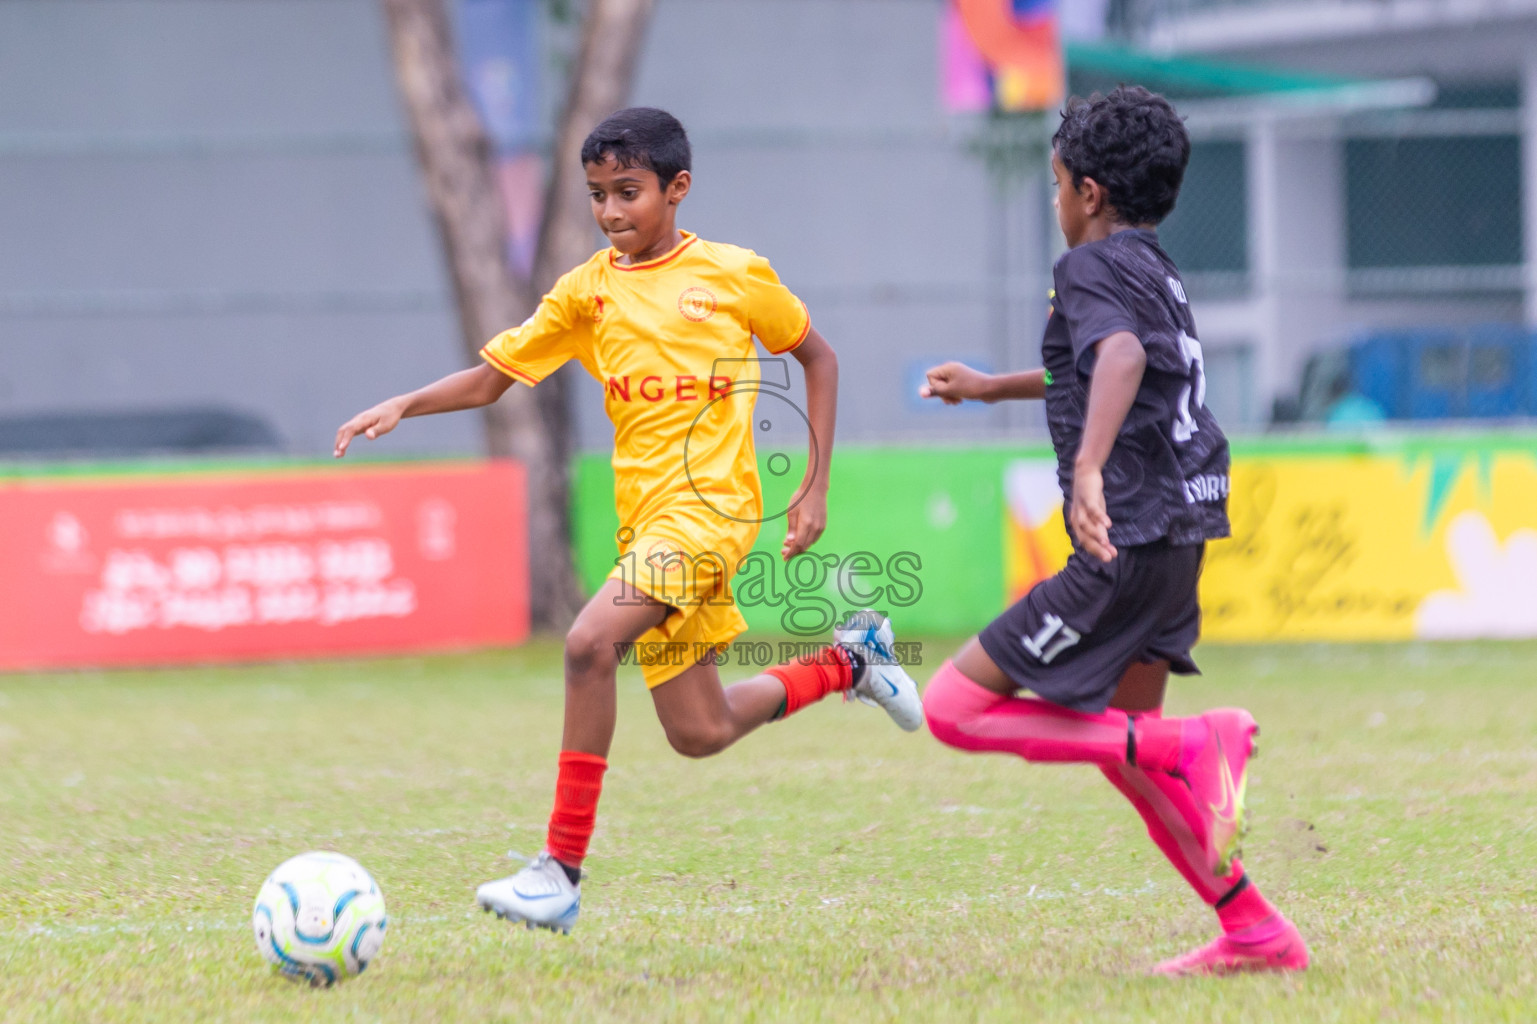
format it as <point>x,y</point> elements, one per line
<point>668,339</point>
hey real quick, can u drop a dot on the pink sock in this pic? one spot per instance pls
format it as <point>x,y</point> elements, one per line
<point>1166,806</point>
<point>963,714</point>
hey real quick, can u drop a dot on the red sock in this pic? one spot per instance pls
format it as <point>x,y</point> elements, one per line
<point>576,806</point>
<point>811,677</point>
<point>963,714</point>
<point>1162,802</point>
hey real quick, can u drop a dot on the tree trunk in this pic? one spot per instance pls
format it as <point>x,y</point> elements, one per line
<point>613,32</point>
<point>612,35</point>
<point>458,163</point>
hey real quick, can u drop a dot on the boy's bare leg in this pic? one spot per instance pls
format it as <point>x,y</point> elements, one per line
<point>699,716</point>
<point>1142,687</point>
<point>975,665</point>
<point>616,614</point>
<point>546,893</point>
<point>702,718</point>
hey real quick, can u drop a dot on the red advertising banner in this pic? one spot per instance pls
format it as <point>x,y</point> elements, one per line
<point>232,566</point>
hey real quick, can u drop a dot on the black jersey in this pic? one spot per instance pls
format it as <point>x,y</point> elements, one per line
<point>1167,475</point>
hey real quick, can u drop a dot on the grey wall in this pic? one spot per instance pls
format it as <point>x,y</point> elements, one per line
<point>212,201</point>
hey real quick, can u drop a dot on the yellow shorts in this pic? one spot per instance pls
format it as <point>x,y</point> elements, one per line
<point>685,560</point>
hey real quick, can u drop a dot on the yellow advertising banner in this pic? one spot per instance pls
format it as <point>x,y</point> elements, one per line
<point>1392,545</point>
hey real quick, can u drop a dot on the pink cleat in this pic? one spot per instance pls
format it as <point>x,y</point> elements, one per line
<point>1217,772</point>
<point>1272,945</point>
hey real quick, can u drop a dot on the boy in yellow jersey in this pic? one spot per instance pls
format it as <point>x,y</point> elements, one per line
<point>666,320</point>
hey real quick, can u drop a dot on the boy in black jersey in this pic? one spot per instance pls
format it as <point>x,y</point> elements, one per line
<point>1143,468</point>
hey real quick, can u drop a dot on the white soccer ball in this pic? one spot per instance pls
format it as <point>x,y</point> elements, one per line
<point>319,918</point>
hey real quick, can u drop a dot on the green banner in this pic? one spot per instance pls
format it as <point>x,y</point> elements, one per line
<point>922,528</point>
<point>931,535</point>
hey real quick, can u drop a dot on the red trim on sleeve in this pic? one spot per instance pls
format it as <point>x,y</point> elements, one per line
<point>507,368</point>
<point>799,338</point>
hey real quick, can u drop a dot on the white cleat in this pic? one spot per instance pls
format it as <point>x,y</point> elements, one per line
<point>882,682</point>
<point>541,896</point>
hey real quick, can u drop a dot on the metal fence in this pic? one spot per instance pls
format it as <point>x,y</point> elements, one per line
<point>1431,204</point>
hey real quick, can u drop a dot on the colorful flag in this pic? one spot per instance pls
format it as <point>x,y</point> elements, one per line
<point>1003,55</point>
<point>499,48</point>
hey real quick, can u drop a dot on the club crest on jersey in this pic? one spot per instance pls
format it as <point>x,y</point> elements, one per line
<point>597,309</point>
<point>697,304</point>
<point>665,557</point>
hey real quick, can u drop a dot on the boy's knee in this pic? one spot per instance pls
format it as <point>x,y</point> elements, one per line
<point>700,740</point>
<point>588,651</point>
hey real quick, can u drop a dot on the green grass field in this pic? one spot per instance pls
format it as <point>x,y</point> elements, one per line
<point>829,868</point>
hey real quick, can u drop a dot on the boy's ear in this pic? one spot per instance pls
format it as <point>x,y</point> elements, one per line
<point>1095,198</point>
<point>678,187</point>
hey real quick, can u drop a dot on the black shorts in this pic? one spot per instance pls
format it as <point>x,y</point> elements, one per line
<point>1072,638</point>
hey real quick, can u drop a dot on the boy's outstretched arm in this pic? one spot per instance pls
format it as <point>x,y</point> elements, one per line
<point>808,518</point>
<point>1119,361</point>
<point>467,389</point>
<point>954,383</point>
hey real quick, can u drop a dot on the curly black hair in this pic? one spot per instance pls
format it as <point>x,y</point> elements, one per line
<point>641,137</point>
<point>1132,143</point>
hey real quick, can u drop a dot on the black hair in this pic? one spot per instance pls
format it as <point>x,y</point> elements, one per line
<point>641,137</point>
<point>1132,143</point>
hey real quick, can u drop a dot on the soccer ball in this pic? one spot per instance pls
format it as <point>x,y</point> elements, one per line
<point>319,918</point>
